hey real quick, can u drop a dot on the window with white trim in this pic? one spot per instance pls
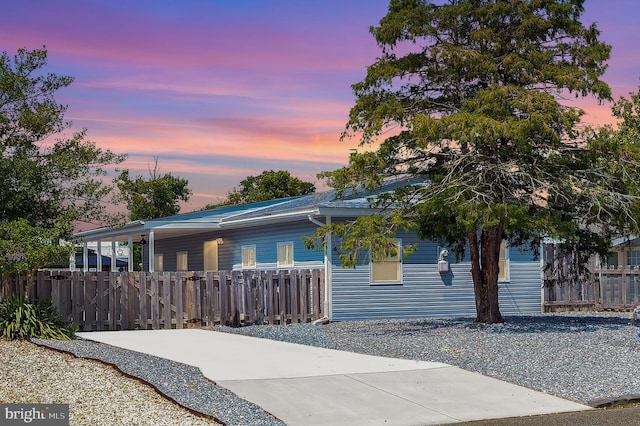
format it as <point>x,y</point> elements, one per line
<point>389,269</point>
<point>182,261</point>
<point>158,262</point>
<point>633,258</point>
<point>503,263</point>
<point>248,256</point>
<point>285,254</point>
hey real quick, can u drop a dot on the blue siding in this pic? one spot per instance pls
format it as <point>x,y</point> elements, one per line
<point>424,292</point>
<point>266,241</point>
<point>264,238</point>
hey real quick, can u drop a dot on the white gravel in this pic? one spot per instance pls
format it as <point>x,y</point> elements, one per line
<point>97,394</point>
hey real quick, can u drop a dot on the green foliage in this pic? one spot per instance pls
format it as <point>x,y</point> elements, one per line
<point>269,185</point>
<point>466,99</point>
<point>24,248</point>
<point>369,238</point>
<point>158,196</point>
<point>20,319</point>
<point>50,179</point>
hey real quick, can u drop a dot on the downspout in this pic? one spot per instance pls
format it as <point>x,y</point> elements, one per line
<point>328,269</point>
<point>543,287</point>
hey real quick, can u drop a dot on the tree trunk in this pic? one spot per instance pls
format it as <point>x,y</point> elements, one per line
<point>485,257</point>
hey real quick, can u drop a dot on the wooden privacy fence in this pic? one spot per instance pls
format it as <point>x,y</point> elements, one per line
<point>130,300</point>
<point>608,289</point>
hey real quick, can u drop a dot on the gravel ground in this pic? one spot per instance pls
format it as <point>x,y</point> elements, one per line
<point>578,356</point>
<point>97,394</point>
<point>183,383</point>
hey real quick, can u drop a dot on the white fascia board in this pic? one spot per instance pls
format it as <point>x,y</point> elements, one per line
<point>107,233</point>
<point>349,212</point>
<point>189,225</point>
<point>279,217</point>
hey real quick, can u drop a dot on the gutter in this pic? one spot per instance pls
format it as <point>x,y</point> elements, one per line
<point>328,273</point>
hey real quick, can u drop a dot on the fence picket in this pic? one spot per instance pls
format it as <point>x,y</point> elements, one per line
<point>166,299</point>
<point>155,311</point>
<point>140,282</point>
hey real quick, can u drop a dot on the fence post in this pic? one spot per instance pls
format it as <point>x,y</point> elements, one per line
<point>261,307</point>
<point>248,305</point>
<point>305,276</point>
<point>166,299</point>
<point>208,309</point>
<point>140,281</point>
<point>635,286</point>
<point>198,312</point>
<point>123,301</point>
<point>77,299</point>
<point>235,301</point>
<point>154,308</point>
<point>270,299</point>
<point>224,297</point>
<point>282,287</point>
<point>90,302</point>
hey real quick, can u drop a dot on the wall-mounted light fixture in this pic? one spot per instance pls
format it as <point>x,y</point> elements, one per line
<point>443,263</point>
<point>219,240</point>
<point>142,240</point>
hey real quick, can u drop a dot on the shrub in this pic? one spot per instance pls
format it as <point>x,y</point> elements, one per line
<point>21,319</point>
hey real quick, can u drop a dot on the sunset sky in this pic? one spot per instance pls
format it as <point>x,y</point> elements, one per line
<point>219,90</point>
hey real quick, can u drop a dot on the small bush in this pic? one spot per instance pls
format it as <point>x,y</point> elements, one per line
<point>20,319</point>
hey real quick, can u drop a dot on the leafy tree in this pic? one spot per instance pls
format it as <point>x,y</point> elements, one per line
<point>158,196</point>
<point>466,96</point>
<point>268,185</point>
<point>51,178</point>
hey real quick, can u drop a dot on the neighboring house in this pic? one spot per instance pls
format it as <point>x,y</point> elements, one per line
<point>269,235</point>
<point>78,259</point>
<point>624,252</point>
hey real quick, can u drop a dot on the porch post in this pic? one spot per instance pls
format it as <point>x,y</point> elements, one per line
<point>152,266</point>
<point>85,257</point>
<point>130,265</point>
<point>99,256</point>
<point>114,264</point>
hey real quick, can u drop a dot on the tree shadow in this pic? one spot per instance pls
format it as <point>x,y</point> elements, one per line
<point>519,324</point>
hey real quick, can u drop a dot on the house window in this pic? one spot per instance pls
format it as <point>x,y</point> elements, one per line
<point>248,256</point>
<point>503,263</point>
<point>158,262</point>
<point>612,259</point>
<point>633,258</point>
<point>181,261</point>
<point>285,254</point>
<point>389,269</point>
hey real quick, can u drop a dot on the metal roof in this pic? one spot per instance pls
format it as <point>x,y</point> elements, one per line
<point>324,203</point>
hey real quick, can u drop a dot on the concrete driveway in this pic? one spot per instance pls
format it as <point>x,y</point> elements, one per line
<point>304,385</point>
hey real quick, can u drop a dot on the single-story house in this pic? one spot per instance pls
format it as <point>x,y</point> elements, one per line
<point>269,235</point>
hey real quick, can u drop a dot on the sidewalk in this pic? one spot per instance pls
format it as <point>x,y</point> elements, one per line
<point>304,385</point>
